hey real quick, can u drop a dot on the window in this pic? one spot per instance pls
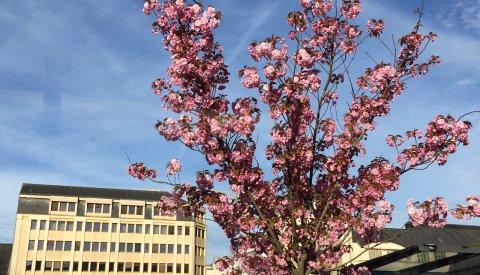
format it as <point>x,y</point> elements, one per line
<point>33,224</point>
<point>103,246</point>
<point>114,227</point>
<point>84,266</point>
<point>155,248</point>
<point>179,248</point>
<point>77,245</point>
<point>112,247</point>
<point>48,266</point>
<point>38,265</point>
<point>131,228</point>
<point>121,247</point>
<point>120,267</point>
<point>61,226</point>
<point>154,267</point>
<point>54,206</point>
<point>186,268</point>
<point>75,266</point>
<point>40,244</point>
<point>138,228</point>
<point>136,267</point>
<point>96,227</point>
<point>128,267</point>
<point>79,226</point>
<point>146,248</point>
<point>95,246</point>
<point>28,266</point>
<point>187,230</point>
<point>67,246</point>
<point>111,267</point>
<point>101,266</point>
<point>163,229</point>
<point>59,246</point>
<point>66,266</point>
<point>98,208</point>
<point>86,246</point>
<point>57,266</point>
<point>106,208</point>
<point>71,207</point>
<point>179,268</point>
<point>88,226</point>
<point>43,224</point>
<point>129,247</point>
<point>31,245</point>
<point>186,249</point>
<point>179,230</point>
<point>69,226</point>
<point>138,247</point>
<point>52,225</point>
<point>145,267</point>
<point>170,248</point>
<point>161,268</point>
<point>124,209</point>
<point>171,230</point>
<point>139,210</point>
<point>123,228</point>
<point>90,207</point>
<point>63,206</point>
<point>50,245</point>
<point>163,248</point>
<point>131,210</point>
<point>169,268</point>
<point>147,229</point>
<point>93,266</point>
<point>104,227</point>
<point>156,229</point>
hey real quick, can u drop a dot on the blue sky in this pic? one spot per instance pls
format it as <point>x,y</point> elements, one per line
<point>74,93</point>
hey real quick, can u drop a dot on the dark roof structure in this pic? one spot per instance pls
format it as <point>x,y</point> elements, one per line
<point>91,192</point>
<point>454,249</point>
<point>5,255</point>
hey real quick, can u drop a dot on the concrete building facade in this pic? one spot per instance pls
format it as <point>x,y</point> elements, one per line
<point>81,230</point>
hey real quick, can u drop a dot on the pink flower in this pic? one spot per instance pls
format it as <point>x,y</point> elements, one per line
<point>251,80</point>
<point>173,167</point>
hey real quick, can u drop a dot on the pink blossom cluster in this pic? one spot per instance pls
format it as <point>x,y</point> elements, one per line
<point>471,210</point>
<point>432,212</point>
<point>140,171</point>
<point>173,167</point>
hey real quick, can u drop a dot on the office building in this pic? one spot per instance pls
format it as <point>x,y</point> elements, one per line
<point>83,230</point>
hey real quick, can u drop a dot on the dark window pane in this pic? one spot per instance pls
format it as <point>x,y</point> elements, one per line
<point>120,267</point>
<point>156,229</point>
<point>103,247</point>
<point>75,266</point>
<point>131,228</point>
<point>53,225</point>
<point>129,247</point>
<point>95,246</point>
<point>146,248</point>
<point>84,266</point>
<point>69,226</point>
<point>112,247</point>
<point>31,245</point>
<point>111,267</point>
<point>169,268</point>
<point>79,226</point>
<point>171,230</point>
<point>101,266</point>
<point>90,207</point>
<point>156,211</point>
<point>131,210</point>
<point>170,248</point>
<point>124,209</point>
<point>163,229</point>
<point>63,206</point>
<point>59,246</point>
<point>96,227</point>
<point>77,245</point>
<point>98,208</point>
<point>93,266</point>
<point>179,230</point>
<point>61,226</point>
<point>179,248</point>
<point>145,267</point>
<point>33,224</point>
<point>66,266</point>
<point>155,248</point>
<point>138,247</point>
<point>186,268</point>
<point>50,245</point>
<point>86,246</point>
<point>187,230</point>
<point>121,247</point>
<point>40,245</point>
<point>71,207</point>
<point>139,210</point>
<point>154,267</point>
<point>179,268</point>
<point>68,246</point>
<point>54,206</point>
<point>147,229</point>
<point>114,227</point>
<point>43,223</point>
<point>123,228</point>
<point>106,208</point>
<point>28,266</point>
<point>163,248</point>
<point>88,226</point>
<point>136,267</point>
<point>38,265</point>
<point>138,228</point>
<point>187,249</point>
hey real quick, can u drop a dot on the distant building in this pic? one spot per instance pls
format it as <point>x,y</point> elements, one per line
<point>5,253</point>
<point>82,230</point>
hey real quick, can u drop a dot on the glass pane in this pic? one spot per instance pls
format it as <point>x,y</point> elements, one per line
<point>89,207</point>
<point>130,227</point>
<point>124,209</point>
<point>112,247</point>
<point>43,223</point>
<point>53,225</point>
<point>96,227</point>
<point>106,208</point>
<point>98,208</point>
<point>69,226</point>
<point>40,245</point>
<point>114,227</point>
<point>179,230</point>
<point>104,227</point>
<point>33,224</point>
<point>171,230</point>
<point>79,226</point>
<point>163,248</point>
<point>61,226</point>
<point>88,226</point>
<point>138,228</point>
<point>139,210</point>
<point>95,246</point>
<point>131,210</point>
<point>63,206</point>
<point>170,248</point>
<point>68,246</point>
<point>71,207</point>
<point>59,246</point>
<point>54,206</point>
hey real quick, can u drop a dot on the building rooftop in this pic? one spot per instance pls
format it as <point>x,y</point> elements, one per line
<point>91,192</point>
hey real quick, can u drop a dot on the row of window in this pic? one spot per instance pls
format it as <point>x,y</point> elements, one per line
<point>62,206</point>
<point>124,228</point>
<point>122,247</point>
<point>103,266</point>
<point>99,208</point>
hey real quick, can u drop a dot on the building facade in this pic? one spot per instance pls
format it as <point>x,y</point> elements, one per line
<point>81,230</point>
